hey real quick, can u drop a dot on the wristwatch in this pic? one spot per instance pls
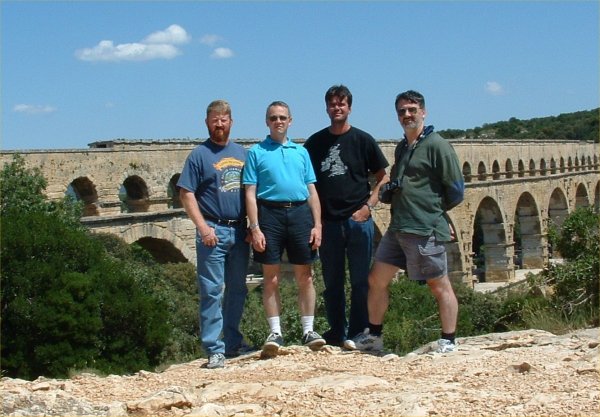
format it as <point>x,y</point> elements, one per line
<point>369,206</point>
<point>253,226</point>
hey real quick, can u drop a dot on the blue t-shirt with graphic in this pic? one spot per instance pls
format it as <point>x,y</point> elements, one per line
<point>214,174</point>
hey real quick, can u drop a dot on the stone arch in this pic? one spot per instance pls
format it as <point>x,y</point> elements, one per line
<point>161,250</point>
<point>570,164</point>
<point>148,231</point>
<point>531,168</point>
<point>562,164</point>
<point>466,171</point>
<point>558,208</point>
<point>577,167</point>
<point>496,170</point>
<point>173,192</point>
<point>521,168</point>
<point>508,168</point>
<point>529,245</point>
<point>454,256</point>
<point>134,195</point>
<point>84,190</point>
<point>589,163</point>
<point>481,172</point>
<point>595,161</point>
<point>552,166</point>
<point>597,198</point>
<point>543,167</point>
<point>581,196</point>
<point>492,259</point>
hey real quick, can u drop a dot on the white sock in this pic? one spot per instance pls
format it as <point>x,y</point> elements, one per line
<point>274,324</point>
<point>307,323</point>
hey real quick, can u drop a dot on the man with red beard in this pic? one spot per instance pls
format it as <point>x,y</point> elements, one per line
<point>211,193</point>
<point>426,181</point>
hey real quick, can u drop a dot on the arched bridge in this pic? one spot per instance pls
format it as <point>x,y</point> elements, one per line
<point>515,189</point>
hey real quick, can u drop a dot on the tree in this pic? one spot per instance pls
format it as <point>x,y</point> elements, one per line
<point>65,303</point>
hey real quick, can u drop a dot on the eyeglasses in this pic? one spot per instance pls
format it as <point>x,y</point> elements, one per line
<point>275,118</point>
<point>411,110</point>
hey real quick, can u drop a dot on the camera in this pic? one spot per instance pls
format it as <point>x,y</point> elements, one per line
<point>388,189</point>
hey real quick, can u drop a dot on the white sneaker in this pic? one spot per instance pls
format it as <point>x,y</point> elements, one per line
<point>445,346</point>
<point>368,342</point>
<point>349,344</point>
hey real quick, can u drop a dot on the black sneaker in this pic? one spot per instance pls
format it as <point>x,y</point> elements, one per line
<point>216,360</point>
<point>243,349</point>
<point>313,340</point>
<point>272,344</point>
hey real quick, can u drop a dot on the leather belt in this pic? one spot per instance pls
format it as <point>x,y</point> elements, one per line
<point>222,221</point>
<point>281,204</point>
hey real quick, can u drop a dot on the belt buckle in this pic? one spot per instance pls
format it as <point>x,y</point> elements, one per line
<point>288,204</point>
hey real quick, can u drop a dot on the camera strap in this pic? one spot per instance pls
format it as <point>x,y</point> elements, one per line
<point>403,146</point>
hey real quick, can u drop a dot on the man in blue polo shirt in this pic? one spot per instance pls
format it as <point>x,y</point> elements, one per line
<point>284,213</point>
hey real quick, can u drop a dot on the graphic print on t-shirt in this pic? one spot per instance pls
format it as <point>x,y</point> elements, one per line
<point>333,163</point>
<point>231,174</point>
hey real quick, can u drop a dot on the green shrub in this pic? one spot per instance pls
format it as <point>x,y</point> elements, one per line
<point>65,303</point>
<point>254,324</point>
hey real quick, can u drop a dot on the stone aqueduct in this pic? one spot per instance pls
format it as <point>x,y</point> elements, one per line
<point>514,191</point>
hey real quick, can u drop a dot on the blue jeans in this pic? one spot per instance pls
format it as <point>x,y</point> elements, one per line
<point>354,240</point>
<point>222,287</point>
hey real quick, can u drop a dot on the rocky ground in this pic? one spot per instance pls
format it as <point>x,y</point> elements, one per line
<point>526,373</point>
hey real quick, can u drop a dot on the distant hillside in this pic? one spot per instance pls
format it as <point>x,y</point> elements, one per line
<point>581,125</point>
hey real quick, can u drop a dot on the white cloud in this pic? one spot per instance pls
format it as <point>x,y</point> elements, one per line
<point>107,51</point>
<point>33,109</point>
<point>494,88</point>
<point>222,53</point>
<point>210,40</point>
<point>158,45</point>
<point>173,35</point>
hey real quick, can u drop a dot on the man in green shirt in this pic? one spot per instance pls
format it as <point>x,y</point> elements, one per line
<point>425,182</point>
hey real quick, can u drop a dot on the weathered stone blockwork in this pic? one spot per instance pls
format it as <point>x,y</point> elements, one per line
<point>524,185</point>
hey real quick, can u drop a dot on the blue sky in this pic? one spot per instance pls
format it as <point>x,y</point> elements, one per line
<point>75,72</point>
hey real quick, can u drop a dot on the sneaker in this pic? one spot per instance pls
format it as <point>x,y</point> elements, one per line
<point>349,344</point>
<point>216,360</point>
<point>313,340</point>
<point>367,342</point>
<point>445,346</point>
<point>272,344</point>
<point>243,349</point>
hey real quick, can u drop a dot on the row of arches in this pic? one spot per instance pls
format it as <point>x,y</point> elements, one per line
<point>501,242</point>
<point>134,196</point>
<point>531,169</point>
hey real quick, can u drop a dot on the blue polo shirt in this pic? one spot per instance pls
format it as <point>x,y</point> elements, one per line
<point>281,172</point>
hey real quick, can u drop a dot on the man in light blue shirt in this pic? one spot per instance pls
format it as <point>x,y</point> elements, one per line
<point>284,214</point>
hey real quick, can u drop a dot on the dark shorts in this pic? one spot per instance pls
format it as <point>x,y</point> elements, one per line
<point>421,257</point>
<point>286,228</point>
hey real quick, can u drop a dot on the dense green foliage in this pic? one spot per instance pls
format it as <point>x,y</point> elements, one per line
<point>576,283</point>
<point>65,302</point>
<point>581,125</point>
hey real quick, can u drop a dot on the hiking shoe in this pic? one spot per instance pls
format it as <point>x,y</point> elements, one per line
<point>243,349</point>
<point>313,340</point>
<point>368,342</point>
<point>216,360</point>
<point>445,346</point>
<point>272,344</point>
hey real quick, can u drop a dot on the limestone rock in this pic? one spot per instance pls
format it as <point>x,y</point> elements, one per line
<point>524,373</point>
